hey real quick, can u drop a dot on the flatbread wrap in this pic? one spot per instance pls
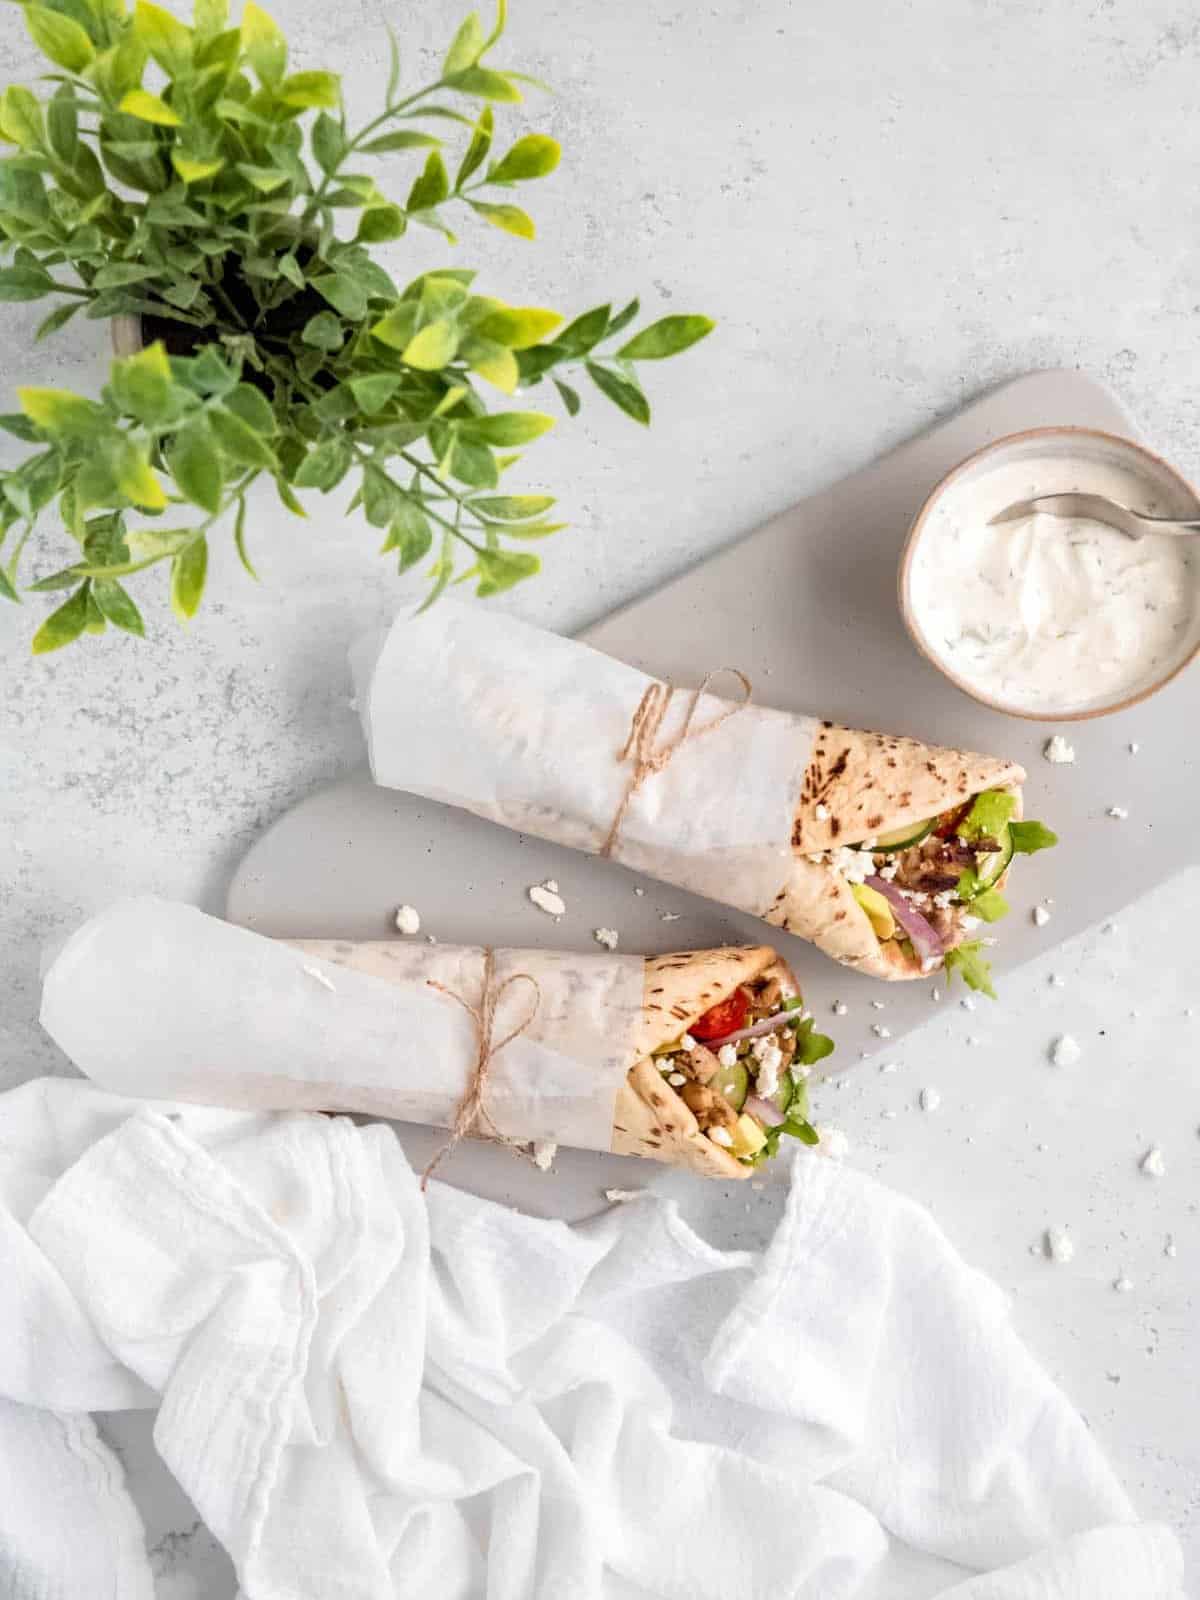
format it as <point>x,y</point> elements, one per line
<point>888,854</point>
<point>699,1059</point>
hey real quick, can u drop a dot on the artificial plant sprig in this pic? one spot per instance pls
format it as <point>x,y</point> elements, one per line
<point>182,175</point>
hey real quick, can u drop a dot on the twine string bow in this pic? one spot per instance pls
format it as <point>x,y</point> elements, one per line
<point>641,749</point>
<point>472,1112</point>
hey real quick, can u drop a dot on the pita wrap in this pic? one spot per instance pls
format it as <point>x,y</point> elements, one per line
<point>730,800</point>
<point>649,1118</point>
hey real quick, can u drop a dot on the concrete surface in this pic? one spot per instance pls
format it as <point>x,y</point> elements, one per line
<point>888,208</point>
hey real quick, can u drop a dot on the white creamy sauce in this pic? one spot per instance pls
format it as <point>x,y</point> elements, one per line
<point>1052,613</point>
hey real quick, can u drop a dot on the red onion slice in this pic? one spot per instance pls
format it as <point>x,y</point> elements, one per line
<point>925,940</point>
<point>765,1110</point>
<point>755,1030</point>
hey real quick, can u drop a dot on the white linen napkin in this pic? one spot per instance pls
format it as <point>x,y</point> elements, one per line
<point>370,1395</point>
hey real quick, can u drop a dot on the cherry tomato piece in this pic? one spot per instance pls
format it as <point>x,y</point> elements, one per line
<point>727,1016</point>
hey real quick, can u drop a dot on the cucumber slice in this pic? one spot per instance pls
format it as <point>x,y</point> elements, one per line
<point>732,1082</point>
<point>990,866</point>
<point>901,838</point>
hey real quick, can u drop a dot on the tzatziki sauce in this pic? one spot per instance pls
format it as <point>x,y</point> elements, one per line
<point>1052,614</point>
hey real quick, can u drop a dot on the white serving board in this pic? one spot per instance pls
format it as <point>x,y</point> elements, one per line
<point>807,607</point>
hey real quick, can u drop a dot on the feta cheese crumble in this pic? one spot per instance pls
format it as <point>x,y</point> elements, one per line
<point>669,916</point>
<point>1118,813</point>
<point>880,1032</point>
<point>766,1081</point>
<point>1058,751</point>
<point>727,1055</point>
<point>890,1066</point>
<point>606,936</point>
<point>1134,748</point>
<point>1123,1285</point>
<point>546,897</point>
<point>687,1042</point>
<point>616,1197</point>
<point>544,1152</point>
<point>407,919</point>
<point>677,1080</point>
<point>320,977</point>
<point>1154,1163</point>
<point>1040,916</point>
<point>1065,1051</point>
<point>721,1136</point>
<point>1060,1246</point>
<point>931,1099</point>
<point>840,1008</point>
<point>877,1005</point>
<point>967,1003</point>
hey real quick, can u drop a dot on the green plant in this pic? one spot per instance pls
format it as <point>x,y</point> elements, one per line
<point>210,203</point>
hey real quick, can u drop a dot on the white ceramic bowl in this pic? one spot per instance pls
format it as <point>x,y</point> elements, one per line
<point>1040,458</point>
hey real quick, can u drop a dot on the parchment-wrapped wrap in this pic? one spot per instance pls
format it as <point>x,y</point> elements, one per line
<point>756,808</point>
<point>152,998</point>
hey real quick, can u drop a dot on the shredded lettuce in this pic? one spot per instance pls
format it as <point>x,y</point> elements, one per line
<point>988,815</point>
<point>969,960</point>
<point>990,905</point>
<point>1028,837</point>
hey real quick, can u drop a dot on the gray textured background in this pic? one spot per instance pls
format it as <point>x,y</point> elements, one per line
<point>888,207</point>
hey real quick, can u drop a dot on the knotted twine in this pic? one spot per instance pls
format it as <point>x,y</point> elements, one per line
<point>640,749</point>
<point>472,1112</point>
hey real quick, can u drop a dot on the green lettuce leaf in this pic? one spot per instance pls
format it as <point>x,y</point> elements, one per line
<point>1029,837</point>
<point>976,970</point>
<point>987,817</point>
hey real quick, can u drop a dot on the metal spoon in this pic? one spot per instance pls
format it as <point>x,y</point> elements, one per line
<point>1100,509</point>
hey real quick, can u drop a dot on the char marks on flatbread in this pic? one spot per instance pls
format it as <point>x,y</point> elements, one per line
<point>871,783</point>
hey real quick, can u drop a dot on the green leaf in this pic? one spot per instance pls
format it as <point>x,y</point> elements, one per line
<point>265,179</point>
<point>115,603</point>
<point>507,427</point>
<point>815,1047</point>
<point>210,373</point>
<point>570,397</point>
<point>149,107</point>
<point>183,292</point>
<point>14,422</point>
<point>305,90</point>
<point>532,530</point>
<point>512,507</point>
<point>189,569</point>
<point>969,960</point>
<point>531,157</point>
<point>432,348</point>
<point>63,626</point>
<point>466,47</point>
<point>211,16</point>
<point>25,283</point>
<point>135,479</point>
<point>289,499</point>
<point>380,224</point>
<point>409,535</point>
<point>1028,837</point>
<point>990,905</point>
<point>264,44</point>
<point>344,293</point>
<point>328,143</point>
<point>481,143</point>
<point>239,530</point>
<point>519,327</point>
<point>167,40</point>
<point>324,467</point>
<point>623,318</point>
<point>432,185</point>
<point>193,169</point>
<point>21,119</point>
<point>141,384</point>
<point>495,363</point>
<point>66,579</point>
<point>155,544</point>
<point>622,391</point>
<point>402,140</point>
<point>63,414</point>
<point>56,36</point>
<point>196,466</point>
<point>62,124</point>
<point>380,498</point>
<point>501,569</point>
<point>667,337</point>
<point>323,332</point>
<point>58,318</point>
<point>473,464</point>
<point>374,391</point>
<point>119,273</point>
<point>253,407</point>
<point>509,219</point>
<point>582,335</point>
<point>239,442</point>
<point>485,84</point>
<point>291,269</point>
<point>988,815</point>
<point>393,82</point>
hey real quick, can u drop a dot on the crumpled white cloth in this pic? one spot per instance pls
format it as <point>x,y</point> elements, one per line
<point>371,1394</point>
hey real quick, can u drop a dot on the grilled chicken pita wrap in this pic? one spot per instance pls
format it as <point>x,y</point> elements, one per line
<point>698,1059</point>
<point>885,853</point>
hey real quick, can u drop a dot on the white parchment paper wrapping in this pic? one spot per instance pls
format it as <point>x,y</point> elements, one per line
<point>152,998</point>
<point>523,727</point>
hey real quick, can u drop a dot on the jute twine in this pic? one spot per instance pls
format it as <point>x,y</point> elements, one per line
<point>640,747</point>
<point>472,1113</point>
